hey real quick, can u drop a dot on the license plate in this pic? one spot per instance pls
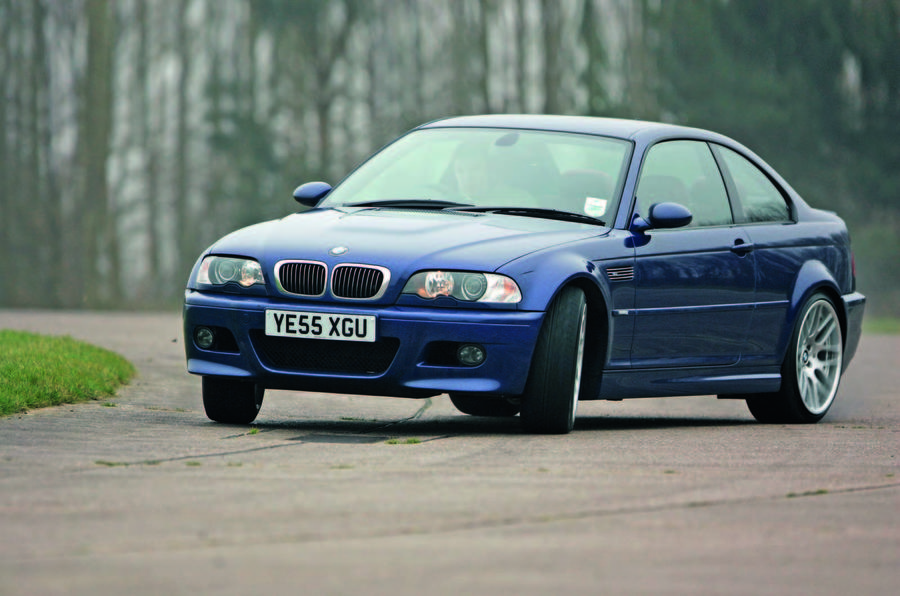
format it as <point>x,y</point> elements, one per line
<point>314,325</point>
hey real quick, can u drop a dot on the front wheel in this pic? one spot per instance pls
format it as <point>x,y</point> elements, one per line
<point>811,371</point>
<point>231,401</point>
<point>554,381</point>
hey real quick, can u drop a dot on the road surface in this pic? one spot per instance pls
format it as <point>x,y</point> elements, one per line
<point>337,494</point>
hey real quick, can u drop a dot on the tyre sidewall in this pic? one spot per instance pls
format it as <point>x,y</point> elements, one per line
<point>550,399</point>
<point>231,401</point>
<point>484,405</point>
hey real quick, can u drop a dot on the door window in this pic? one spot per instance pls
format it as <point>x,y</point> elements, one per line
<point>684,172</point>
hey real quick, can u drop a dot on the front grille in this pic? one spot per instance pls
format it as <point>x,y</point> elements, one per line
<point>325,356</point>
<point>359,282</point>
<point>304,278</point>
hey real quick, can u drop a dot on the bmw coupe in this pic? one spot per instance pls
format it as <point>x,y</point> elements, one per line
<point>521,264</point>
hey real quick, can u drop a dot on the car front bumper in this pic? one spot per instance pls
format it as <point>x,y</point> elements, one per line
<point>414,343</point>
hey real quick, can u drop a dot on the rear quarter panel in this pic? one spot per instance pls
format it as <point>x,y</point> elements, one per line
<point>794,261</point>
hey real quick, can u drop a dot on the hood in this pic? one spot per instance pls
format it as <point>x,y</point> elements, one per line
<point>402,240</point>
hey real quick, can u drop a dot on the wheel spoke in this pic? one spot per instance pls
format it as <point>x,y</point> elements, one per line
<point>830,357</point>
<point>824,330</point>
<point>817,321</point>
<point>814,389</point>
<point>804,382</point>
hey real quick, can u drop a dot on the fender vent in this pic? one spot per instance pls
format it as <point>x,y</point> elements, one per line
<point>624,273</point>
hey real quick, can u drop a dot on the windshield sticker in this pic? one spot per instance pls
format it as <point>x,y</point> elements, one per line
<point>595,207</point>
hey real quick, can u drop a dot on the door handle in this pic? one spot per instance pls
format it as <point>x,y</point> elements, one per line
<point>741,247</point>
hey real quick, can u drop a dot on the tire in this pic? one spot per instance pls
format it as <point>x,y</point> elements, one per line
<point>811,372</point>
<point>475,405</point>
<point>230,401</point>
<point>550,400</point>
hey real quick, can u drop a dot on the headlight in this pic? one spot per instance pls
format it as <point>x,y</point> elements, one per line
<point>218,271</point>
<point>470,287</point>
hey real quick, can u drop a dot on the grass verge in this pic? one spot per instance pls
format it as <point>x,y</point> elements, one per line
<point>37,371</point>
<point>881,325</point>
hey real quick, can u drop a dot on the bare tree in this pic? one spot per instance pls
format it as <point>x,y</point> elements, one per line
<point>551,18</point>
<point>592,38</point>
<point>184,228</point>
<point>8,268</point>
<point>148,144</point>
<point>93,150</point>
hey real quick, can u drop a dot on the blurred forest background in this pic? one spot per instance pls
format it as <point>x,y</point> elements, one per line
<point>133,133</point>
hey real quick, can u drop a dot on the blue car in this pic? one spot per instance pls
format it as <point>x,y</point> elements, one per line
<point>522,264</point>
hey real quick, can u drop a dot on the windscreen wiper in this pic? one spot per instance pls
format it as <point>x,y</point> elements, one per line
<point>537,212</point>
<point>409,204</point>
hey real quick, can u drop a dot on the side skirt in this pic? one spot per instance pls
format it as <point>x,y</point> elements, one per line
<point>625,384</point>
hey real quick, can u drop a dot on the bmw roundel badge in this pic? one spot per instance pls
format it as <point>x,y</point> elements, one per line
<point>338,251</point>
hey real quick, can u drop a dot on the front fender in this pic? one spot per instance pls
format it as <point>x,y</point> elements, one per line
<point>542,281</point>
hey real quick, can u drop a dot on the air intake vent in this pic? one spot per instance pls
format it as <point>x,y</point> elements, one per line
<point>359,282</point>
<point>625,273</point>
<point>327,357</point>
<point>304,278</point>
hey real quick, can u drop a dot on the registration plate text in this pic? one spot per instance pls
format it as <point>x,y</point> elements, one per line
<point>312,325</point>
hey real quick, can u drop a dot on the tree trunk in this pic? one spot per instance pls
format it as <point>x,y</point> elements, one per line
<point>47,229</point>
<point>7,266</point>
<point>183,224</point>
<point>94,144</point>
<point>484,53</point>
<point>552,21</point>
<point>521,63</point>
<point>596,55</point>
<point>146,141</point>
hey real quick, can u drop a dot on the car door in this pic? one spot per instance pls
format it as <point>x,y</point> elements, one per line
<point>694,286</point>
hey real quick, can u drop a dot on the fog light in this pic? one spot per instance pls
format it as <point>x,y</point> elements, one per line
<point>204,337</point>
<point>470,355</point>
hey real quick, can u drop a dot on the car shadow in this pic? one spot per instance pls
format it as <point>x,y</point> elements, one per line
<point>653,423</point>
<point>371,431</point>
<point>341,430</point>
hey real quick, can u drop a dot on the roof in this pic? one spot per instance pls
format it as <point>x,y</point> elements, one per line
<point>613,127</point>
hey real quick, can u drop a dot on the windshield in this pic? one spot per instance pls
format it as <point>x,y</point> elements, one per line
<point>492,167</point>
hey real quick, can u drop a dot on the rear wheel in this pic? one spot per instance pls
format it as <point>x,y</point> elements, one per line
<point>554,381</point>
<point>811,371</point>
<point>475,405</point>
<point>231,401</point>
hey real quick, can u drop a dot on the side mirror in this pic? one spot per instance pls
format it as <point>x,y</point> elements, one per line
<point>662,216</point>
<point>311,193</point>
<point>669,215</point>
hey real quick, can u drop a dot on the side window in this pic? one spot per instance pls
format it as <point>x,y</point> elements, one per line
<point>685,172</point>
<point>759,197</point>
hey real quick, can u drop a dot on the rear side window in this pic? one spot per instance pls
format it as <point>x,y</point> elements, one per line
<point>759,197</point>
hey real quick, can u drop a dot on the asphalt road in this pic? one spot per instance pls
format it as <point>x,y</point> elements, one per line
<point>676,496</point>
